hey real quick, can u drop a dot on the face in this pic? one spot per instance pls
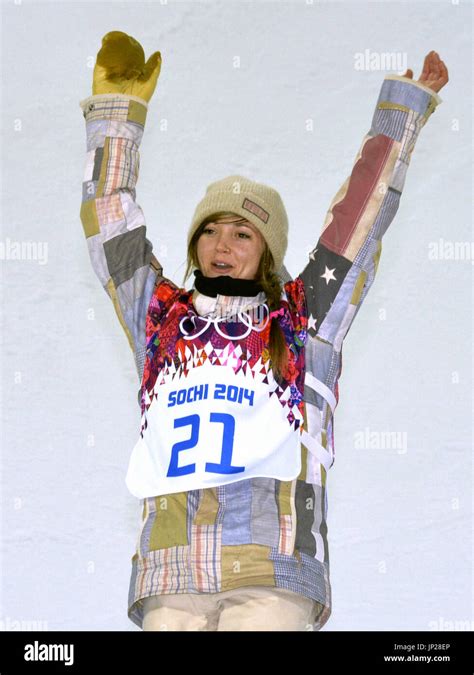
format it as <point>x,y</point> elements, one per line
<point>232,240</point>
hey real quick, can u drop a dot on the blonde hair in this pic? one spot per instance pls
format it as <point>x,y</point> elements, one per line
<point>271,285</point>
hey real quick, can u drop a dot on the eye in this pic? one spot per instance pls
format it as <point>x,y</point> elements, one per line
<point>246,236</point>
<point>207,229</point>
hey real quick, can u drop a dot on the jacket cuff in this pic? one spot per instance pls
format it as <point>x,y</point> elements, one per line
<point>399,92</point>
<point>121,107</point>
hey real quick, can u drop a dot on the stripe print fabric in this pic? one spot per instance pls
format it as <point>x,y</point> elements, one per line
<point>114,225</point>
<point>198,542</point>
<point>195,541</point>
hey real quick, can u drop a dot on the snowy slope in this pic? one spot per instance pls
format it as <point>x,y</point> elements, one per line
<point>400,517</point>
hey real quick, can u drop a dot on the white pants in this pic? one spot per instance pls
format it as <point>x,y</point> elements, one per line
<point>250,608</point>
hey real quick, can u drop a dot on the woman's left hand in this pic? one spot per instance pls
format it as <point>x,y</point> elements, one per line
<point>434,74</point>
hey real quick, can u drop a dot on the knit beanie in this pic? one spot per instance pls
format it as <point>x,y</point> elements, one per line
<point>258,203</point>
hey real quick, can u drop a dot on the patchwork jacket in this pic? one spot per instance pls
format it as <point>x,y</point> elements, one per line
<point>259,531</point>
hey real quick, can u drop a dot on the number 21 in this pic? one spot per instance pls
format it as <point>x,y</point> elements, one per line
<point>225,465</point>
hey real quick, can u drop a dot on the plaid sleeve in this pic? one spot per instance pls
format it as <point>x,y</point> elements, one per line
<point>343,264</point>
<point>113,222</point>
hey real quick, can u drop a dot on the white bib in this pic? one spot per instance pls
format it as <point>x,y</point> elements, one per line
<point>213,426</point>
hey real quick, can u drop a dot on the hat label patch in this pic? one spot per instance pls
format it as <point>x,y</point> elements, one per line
<point>257,210</point>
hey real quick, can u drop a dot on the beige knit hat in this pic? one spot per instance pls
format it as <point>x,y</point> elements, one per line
<point>258,203</point>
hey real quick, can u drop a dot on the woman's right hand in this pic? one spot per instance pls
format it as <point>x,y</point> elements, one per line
<point>120,67</point>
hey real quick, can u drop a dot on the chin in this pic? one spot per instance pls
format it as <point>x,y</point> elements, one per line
<point>215,273</point>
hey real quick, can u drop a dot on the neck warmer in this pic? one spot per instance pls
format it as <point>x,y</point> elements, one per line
<point>225,285</point>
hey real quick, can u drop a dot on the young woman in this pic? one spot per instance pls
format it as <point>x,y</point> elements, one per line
<point>239,374</point>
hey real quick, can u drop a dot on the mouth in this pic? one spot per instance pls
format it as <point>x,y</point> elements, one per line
<point>221,267</point>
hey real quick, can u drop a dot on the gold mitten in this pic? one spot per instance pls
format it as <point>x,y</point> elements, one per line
<point>120,67</point>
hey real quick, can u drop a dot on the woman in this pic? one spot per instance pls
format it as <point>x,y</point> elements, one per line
<point>239,374</point>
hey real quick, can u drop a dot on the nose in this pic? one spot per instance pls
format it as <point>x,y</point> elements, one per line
<point>222,242</point>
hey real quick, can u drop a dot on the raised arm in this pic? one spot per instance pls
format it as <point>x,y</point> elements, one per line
<point>343,264</point>
<point>114,225</point>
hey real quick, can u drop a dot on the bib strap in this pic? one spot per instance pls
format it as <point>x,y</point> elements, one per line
<point>320,452</point>
<point>320,388</point>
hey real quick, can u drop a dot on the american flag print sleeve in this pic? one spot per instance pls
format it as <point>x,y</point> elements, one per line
<point>114,225</point>
<point>343,264</point>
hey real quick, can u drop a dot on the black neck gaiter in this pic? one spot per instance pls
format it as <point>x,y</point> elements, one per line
<point>225,285</point>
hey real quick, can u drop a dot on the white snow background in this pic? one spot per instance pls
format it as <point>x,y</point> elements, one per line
<point>400,522</point>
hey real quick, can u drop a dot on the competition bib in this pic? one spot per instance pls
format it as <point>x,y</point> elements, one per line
<point>211,426</point>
